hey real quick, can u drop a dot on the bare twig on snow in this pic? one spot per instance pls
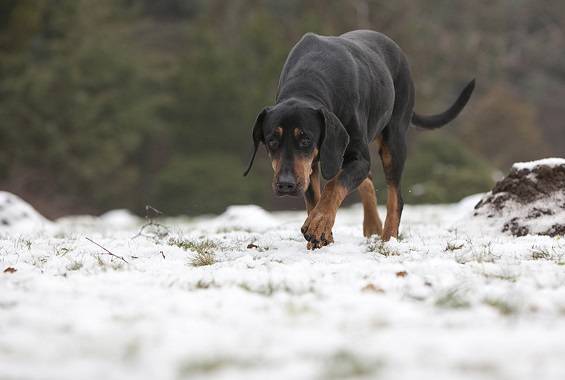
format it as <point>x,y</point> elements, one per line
<point>107,251</point>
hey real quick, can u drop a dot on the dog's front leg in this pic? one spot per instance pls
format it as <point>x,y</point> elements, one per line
<point>317,228</point>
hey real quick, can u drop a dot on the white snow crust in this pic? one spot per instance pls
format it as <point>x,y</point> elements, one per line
<point>449,300</point>
<point>15,213</point>
<point>553,161</point>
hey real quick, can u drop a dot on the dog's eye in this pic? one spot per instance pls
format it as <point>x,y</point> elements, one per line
<point>305,142</point>
<point>273,144</point>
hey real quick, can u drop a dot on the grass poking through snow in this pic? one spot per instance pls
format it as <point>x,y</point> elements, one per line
<point>203,250</point>
<point>452,299</point>
<point>376,245</point>
<point>503,307</point>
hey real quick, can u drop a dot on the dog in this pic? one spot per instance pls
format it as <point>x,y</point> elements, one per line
<point>336,96</point>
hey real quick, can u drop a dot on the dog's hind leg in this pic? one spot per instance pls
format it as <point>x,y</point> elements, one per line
<point>372,224</point>
<point>393,158</point>
<point>393,152</point>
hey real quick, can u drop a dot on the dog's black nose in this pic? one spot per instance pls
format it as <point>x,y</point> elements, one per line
<point>286,187</point>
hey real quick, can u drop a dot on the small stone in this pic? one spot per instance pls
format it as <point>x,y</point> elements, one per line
<point>372,288</point>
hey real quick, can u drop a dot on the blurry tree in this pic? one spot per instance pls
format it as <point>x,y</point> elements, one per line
<point>165,9</point>
<point>193,185</point>
<point>74,117</point>
<point>442,169</point>
<point>121,103</point>
<point>501,118</point>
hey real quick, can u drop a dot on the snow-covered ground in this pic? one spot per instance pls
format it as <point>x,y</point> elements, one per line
<point>449,300</point>
<point>529,165</point>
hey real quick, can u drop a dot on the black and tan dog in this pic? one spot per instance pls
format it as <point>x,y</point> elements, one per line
<point>336,95</point>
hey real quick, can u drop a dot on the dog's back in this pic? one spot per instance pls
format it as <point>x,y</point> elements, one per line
<point>381,45</point>
<point>351,74</point>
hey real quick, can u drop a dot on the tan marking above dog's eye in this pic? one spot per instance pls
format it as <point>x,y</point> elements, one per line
<point>297,132</point>
<point>278,131</point>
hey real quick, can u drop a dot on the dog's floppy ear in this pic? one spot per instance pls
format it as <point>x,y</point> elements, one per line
<point>257,137</point>
<point>334,142</point>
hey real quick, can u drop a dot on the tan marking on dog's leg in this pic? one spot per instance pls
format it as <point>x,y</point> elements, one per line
<point>393,208</point>
<point>334,193</point>
<point>372,224</point>
<point>318,226</point>
<point>392,220</point>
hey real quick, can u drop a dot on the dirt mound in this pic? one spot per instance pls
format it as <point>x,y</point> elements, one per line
<point>529,200</point>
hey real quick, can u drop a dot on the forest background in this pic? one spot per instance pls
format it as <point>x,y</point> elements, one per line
<point>121,103</point>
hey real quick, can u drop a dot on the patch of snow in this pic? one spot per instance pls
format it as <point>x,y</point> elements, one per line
<point>248,217</point>
<point>466,205</point>
<point>18,215</point>
<point>445,301</point>
<point>553,161</point>
<point>120,218</point>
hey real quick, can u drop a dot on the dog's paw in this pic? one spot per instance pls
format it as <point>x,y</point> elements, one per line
<point>389,231</point>
<point>319,244</point>
<point>317,229</point>
<point>371,228</point>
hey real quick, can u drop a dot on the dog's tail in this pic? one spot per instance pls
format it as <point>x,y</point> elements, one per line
<point>439,120</point>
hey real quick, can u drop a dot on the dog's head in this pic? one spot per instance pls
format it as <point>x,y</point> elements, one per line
<point>296,136</point>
